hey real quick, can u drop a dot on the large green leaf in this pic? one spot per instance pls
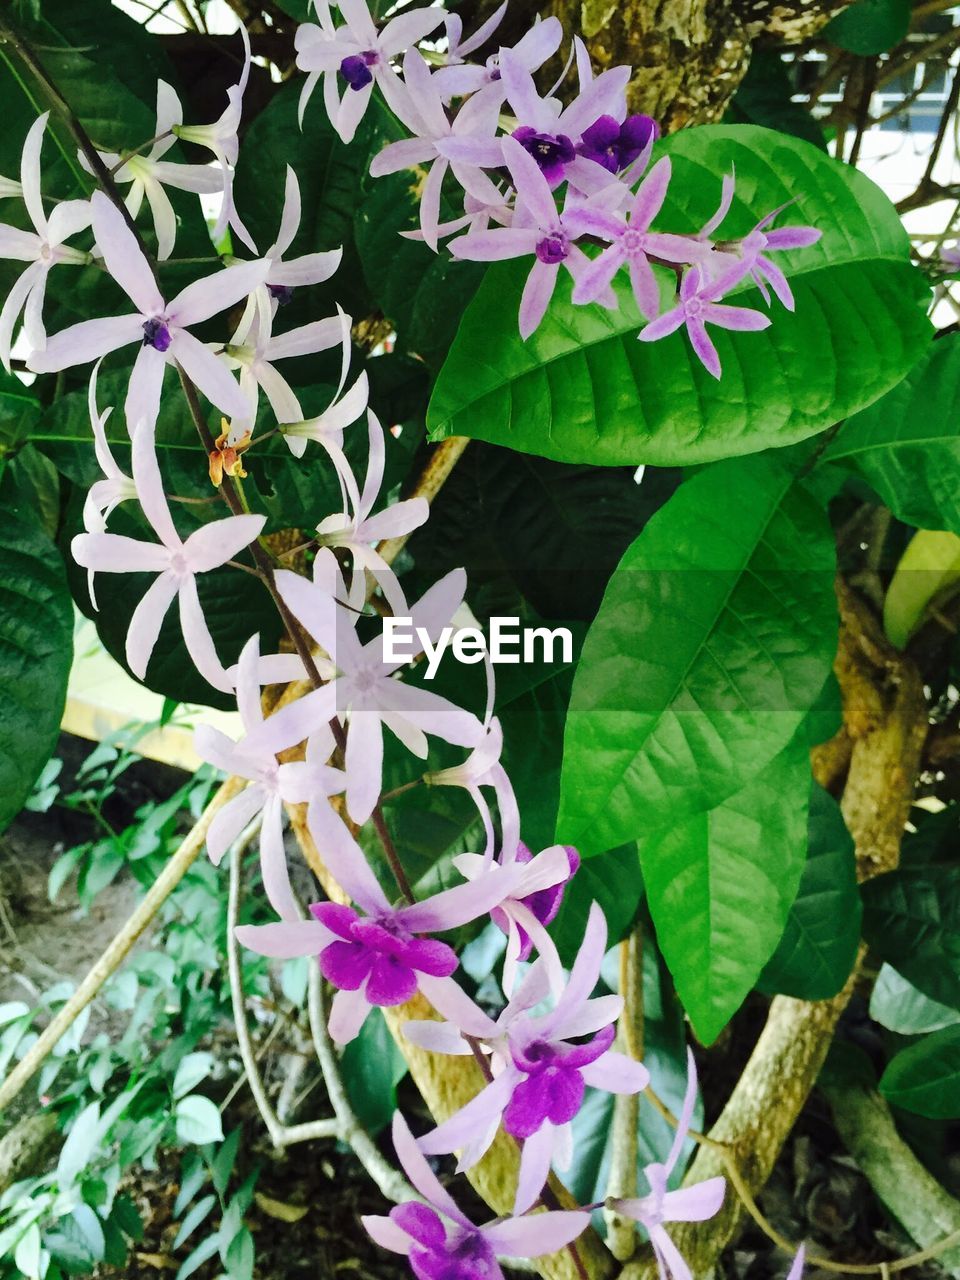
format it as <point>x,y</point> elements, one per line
<point>714,639</point>
<point>897,1005</point>
<point>907,445</point>
<point>925,1077</point>
<point>720,886</point>
<point>583,389</point>
<point>819,944</point>
<point>912,920</point>
<point>372,1067</point>
<point>36,633</point>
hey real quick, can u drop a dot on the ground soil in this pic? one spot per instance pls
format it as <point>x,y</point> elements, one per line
<point>816,1192</point>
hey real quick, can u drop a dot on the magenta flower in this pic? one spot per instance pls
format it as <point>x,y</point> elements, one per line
<point>443,1244</point>
<point>359,532</point>
<point>424,114</point>
<point>365,694</point>
<point>459,79</point>
<point>159,327</point>
<point>271,785</point>
<point>697,307</point>
<point>631,242</point>
<point>360,54</point>
<point>688,1204</point>
<point>374,955</point>
<point>175,561</point>
<point>538,228</point>
<point>542,1064</point>
<point>42,248</point>
<point>149,174</point>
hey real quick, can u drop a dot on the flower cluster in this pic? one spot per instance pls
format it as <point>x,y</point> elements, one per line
<point>553,1036</point>
<point>541,177</point>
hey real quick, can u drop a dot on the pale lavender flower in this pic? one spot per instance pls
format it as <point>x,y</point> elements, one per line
<point>458,48</point>
<point>459,79</point>
<point>477,216</point>
<point>697,307</point>
<point>359,531</point>
<point>175,561</point>
<point>271,785</point>
<point>149,174</point>
<point>950,257</point>
<point>221,139</point>
<point>375,955</point>
<point>42,248</point>
<point>759,242</point>
<point>482,768</point>
<point>549,132</point>
<point>687,1204</point>
<point>796,1267</point>
<point>538,228</point>
<point>116,486</point>
<point>365,695</point>
<point>541,1065</point>
<point>631,242</point>
<point>10,188</point>
<point>161,328</point>
<point>253,350</point>
<point>442,1244</point>
<point>360,54</point>
<point>425,115</point>
<point>283,277</point>
<point>532,905</point>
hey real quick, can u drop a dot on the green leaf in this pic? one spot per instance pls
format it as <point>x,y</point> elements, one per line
<point>192,1069</point>
<point>82,1140</point>
<point>19,410</point>
<point>200,1211</point>
<point>583,389</point>
<point>373,1066</point>
<point>912,920</point>
<point>928,570</point>
<point>26,1256</point>
<point>925,1077</point>
<point>819,945</point>
<point>198,1120</point>
<point>897,1005</point>
<point>194,1260</point>
<point>907,445</point>
<point>714,639</point>
<point>36,643</point>
<point>720,886</point>
<point>870,26</point>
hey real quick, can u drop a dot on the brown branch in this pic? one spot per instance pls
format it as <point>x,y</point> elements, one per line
<point>885,718</point>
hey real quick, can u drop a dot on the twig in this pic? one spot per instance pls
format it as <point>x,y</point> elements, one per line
<point>281,1135</point>
<point>392,1183</point>
<point>622,1183</point>
<point>120,946</point>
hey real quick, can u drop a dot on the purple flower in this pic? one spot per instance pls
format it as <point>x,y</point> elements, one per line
<point>543,904</point>
<point>541,1064</point>
<point>552,151</point>
<point>550,132</point>
<point>538,229</point>
<point>360,54</point>
<point>688,1204</point>
<point>443,1244</point>
<point>175,561</point>
<point>376,958</point>
<point>160,328</point>
<point>631,241</point>
<point>754,247</point>
<point>697,307</point>
<point>616,146</point>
